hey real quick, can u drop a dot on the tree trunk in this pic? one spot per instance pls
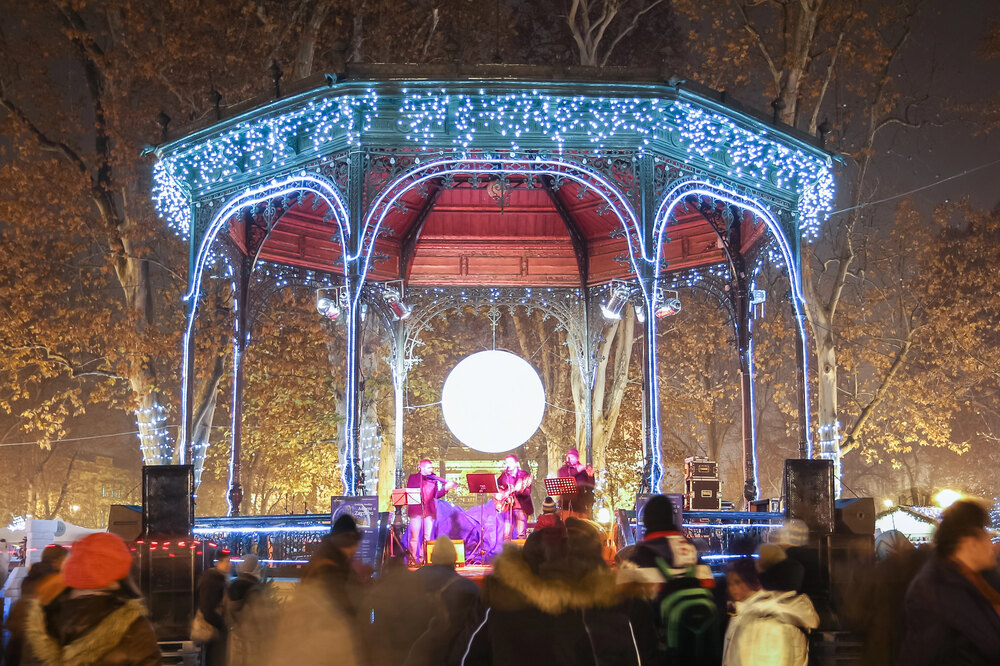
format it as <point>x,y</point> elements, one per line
<point>307,43</point>
<point>201,426</point>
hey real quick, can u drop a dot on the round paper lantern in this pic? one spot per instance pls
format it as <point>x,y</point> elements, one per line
<point>493,401</point>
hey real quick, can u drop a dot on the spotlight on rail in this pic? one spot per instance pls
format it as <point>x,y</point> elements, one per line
<point>666,303</point>
<point>331,302</point>
<point>392,293</point>
<point>640,313</point>
<point>620,294</point>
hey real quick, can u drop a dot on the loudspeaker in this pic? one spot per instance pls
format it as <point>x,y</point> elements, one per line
<point>168,571</point>
<point>167,509</point>
<point>849,558</point>
<point>125,520</point>
<point>855,516</point>
<point>808,487</point>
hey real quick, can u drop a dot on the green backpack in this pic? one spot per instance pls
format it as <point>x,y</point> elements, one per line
<point>689,619</point>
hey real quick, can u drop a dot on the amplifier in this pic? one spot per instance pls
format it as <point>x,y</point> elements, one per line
<point>702,494</point>
<point>459,551</point>
<point>700,468</point>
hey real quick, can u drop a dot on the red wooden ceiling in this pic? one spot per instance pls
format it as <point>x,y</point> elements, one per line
<point>468,238</point>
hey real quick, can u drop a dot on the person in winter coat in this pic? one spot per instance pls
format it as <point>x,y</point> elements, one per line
<point>769,627</point>
<point>952,605</point>
<point>554,603</point>
<point>249,614</point>
<point>449,599</point>
<point>664,551</point>
<point>321,624</point>
<point>98,618</point>
<point>44,582</point>
<point>211,596</point>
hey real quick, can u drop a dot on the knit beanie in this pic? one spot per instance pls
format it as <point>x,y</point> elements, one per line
<point>658,515</point>
<point>250,566</point>
<point>795,532</point>
<point>768,555</point>
<point>444,552</point>
<point>549,505</point>
<point>96,561</point>
<point>344,531</point>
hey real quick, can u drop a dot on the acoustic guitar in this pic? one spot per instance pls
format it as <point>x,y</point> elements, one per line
<point>504,499</point>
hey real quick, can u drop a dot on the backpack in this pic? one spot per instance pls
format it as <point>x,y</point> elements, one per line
<point>689,620</point>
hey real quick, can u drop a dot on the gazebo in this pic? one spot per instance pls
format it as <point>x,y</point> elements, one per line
<point>516,185</point>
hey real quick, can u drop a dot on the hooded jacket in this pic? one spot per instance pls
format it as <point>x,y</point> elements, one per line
<point>102,629</point>
<point>769,629</point>
<point>529,619</point>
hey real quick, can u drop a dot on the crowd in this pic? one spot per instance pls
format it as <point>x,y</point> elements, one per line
<point>553,601</point>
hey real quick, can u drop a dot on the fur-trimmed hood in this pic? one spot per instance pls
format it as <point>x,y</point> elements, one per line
<point>125,629</point>
<point>513,586</point>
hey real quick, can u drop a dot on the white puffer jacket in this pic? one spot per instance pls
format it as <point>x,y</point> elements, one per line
<point>769,629</point>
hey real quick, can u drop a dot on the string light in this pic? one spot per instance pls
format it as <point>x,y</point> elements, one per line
<point>684,130</point>
<point>280,152</point>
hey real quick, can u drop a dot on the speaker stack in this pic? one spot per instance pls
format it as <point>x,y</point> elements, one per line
<point>701,485</point>
<point>169,558</point>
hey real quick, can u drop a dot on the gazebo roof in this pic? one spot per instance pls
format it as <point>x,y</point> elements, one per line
<point>478,229</point>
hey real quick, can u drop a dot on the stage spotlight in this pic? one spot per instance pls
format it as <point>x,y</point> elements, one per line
<point>666,303</point>
<point>393,300</point>
<point>328,303</point>
<point>620,293</point>
<point>640,313</point>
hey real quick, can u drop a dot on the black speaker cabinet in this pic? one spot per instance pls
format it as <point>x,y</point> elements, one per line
<point>855,516</point>
<point>125,520</point>
<point>168,571</point>
<point>167,509</point>
<point>808,486</point>
<point>849,558</point>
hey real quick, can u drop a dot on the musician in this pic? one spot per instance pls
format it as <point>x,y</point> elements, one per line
<point>583,500</point>
<point>424,515</point>
<point>514,498</point>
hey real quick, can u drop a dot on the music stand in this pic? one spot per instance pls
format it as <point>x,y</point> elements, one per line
<point>401,497</point>
<point>481,483</point>
<point>562,485</point>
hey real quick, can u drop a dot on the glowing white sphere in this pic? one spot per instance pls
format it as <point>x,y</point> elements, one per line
<point>493,401</point>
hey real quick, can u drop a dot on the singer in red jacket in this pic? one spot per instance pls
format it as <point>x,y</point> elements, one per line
<point>423,515</point>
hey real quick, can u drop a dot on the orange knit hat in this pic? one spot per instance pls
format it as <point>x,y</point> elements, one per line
<point>97,560</point>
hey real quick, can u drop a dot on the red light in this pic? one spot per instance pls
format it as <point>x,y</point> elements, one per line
<point>172,555</point>
<point>180,543</point>
<point>198,553</point>
<point>166,543</point>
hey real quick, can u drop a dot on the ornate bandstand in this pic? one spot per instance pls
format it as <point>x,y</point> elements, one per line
<point>509,187</point>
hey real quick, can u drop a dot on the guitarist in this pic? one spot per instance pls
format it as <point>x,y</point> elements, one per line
<point>514,499</point>
<point>424,515</point>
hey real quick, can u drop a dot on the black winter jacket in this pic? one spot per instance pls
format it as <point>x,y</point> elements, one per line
<point>948,621</point>
<point>528,620</point>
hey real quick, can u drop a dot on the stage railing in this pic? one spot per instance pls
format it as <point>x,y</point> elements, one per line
<point>719,535</point>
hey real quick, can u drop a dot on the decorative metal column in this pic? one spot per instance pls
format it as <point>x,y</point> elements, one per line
<point>400,370</point>
<point>587,374</point>
<point>241,306</point>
